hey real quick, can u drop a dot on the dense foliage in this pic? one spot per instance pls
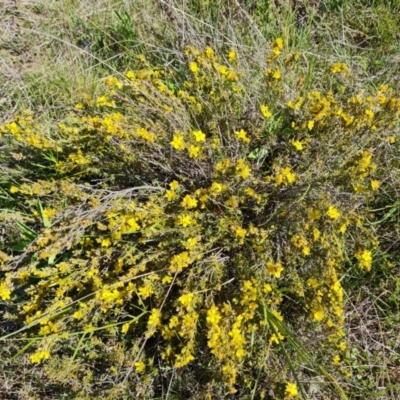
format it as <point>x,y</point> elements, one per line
<point>179,225</point>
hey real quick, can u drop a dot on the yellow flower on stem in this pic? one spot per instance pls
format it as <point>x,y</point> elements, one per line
<point>185,220</point>
<point>232,56</point>
<point>189,202</point>
<point>297,145</point>
<point>194,151</point>
<point>194,67</point>
<point>177,142</point>
<point>278,43</point>
<point>140,366</point>
<point>291,390</point>
<point>5,292</point>
<point>375,185</point>
<point>242,135</point>
<point>265,111</point>
<point>275,269</point>
<point>333,213</point>
<point>199,136</point>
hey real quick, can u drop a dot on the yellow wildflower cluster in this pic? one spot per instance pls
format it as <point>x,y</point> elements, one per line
<point>284,176</point>
<point>189,224</point>
<point>364,259</point>
<point>339,68</point>
<point>40,355</point>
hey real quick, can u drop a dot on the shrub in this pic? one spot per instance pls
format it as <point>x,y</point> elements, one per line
<point>181,226</point>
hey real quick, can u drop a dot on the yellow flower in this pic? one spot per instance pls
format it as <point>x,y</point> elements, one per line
<point>274,269</point>
<point>166,279</point>
<point>179,261</point>
<point>318,314</point>
<point>267,288</point>
<point>185,220</point>
<point>277,74</point>
<point>199,136</point>
<point>155,317</point>
<point>113,81</point>
<point>338,68</point>
<point>209,52</point>
<point>277,315</point>
<point>145,291</point>
<point>140,366</point>
<point>194,67</point>
<point>130,75</point>
<point>189,202</point>
<point>174,185</point>
<point>333,212</point>
<point>78,314</point>
<point>213,316</point>
<point>297,145</point>
<point>336,359</point>
<point>217,188</point>
<point>222,69</point>
<point>13,189</point>
<point>375,185</point>
<point>314,214</point>
<point>312,282</point>
<point>348,119</point>
<point>365,260</point>
<point>359,188</point>
<point>310,124</point>
<point>103,101</point>
<point>291,390</point>
<point>38,356</point>
<point>145,134</point>
<point>191,243</point>
<point>242,136</point>
<point>295,106</point>
<point>177,142</point>
<point>232,56</point>
<point>278,43</point>
<point>265,111</point>
<point>186,300</point>
<point>240,233</point>
<point>125,327</point>
<point>369,113</point>
<point>276,338</point>
<point>194,151</point>
<point>242,169</point>
<point>289,175</point>
<point>133,224</point>
<point>5,292</point>
<point>184,358</point>
<point>223,165</point>
<point>170,195</point>
<point>342,346</point>
<point>106,242</point>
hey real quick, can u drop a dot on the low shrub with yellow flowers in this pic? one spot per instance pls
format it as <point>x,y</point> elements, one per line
<point>168,231</point>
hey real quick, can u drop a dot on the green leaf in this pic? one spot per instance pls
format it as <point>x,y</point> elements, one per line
<point>45,220</point>
<point>51,259</point>
<point>26,347</point>
<point>20,246</point>
<point>257,153</point>
<point>286,131</point>
<point>26,232</point>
